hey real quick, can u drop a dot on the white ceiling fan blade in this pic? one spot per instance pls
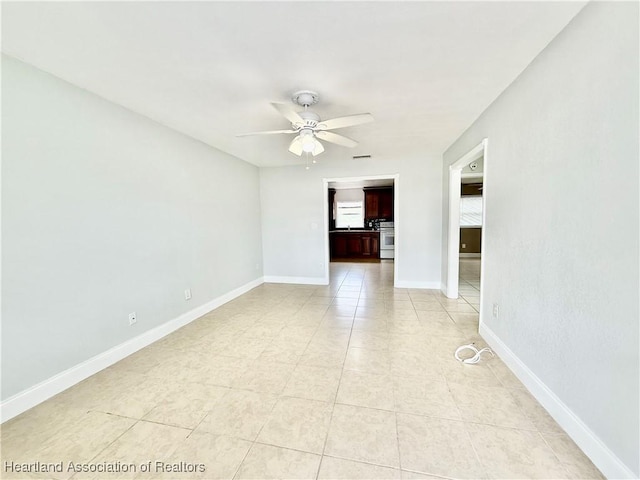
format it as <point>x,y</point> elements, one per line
<point>267,132</point>
<point>289,113</point>
<point>318,149</point>
<point>337,139</point>
<point>347,121</point>
<point>296,146</point>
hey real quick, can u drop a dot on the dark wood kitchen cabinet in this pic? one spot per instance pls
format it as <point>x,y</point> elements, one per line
<point>351,245</point>
<point>332,213</point>
<point>354,244</point>
<point>338,246</point>
<point>371,204</point>
<point>378,203</point>
<point>385,203</point>
<point>371,246</point>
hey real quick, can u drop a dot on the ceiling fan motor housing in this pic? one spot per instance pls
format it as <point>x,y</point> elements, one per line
<point>310,118</point>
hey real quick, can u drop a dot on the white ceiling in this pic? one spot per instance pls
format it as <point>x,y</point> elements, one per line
<point>425,70</point>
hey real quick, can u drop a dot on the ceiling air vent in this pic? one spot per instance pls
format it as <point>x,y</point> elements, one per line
<point>360,157</point>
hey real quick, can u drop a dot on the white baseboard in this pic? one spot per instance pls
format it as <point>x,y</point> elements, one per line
<point>443,289</point>
<point>602,457</point>
<point>46,389</point>
<point>470,255</point>
<point>296,280</point>
<point>413,284</point>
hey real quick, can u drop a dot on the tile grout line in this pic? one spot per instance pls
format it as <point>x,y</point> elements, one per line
<point>563,464</point>
<point>326,437</point>
<point>112,442</point>
<point>466,430</point>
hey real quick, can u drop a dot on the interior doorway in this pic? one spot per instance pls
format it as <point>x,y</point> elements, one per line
<point>476,154</point>
<point>470,250</point>
<point>368,219</point>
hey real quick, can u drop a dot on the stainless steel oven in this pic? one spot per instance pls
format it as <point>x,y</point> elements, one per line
<point>387,240</point>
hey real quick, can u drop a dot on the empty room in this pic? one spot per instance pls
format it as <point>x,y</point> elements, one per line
<point>320,240</point>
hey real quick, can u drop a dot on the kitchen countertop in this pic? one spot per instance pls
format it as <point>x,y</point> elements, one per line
<point>354,230</point>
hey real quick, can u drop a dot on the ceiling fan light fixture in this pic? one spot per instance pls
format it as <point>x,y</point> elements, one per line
<point>319,148</point>
<point>308,141</point>
<point>309,127</point>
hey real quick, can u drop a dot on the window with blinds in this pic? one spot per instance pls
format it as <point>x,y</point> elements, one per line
<point>470,211</point>
<point>349,214</point>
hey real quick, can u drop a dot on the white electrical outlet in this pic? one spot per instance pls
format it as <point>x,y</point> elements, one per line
<point>132,318</point>
<point>496,310</point>
<point>464,245</point>
<point>187,294</point>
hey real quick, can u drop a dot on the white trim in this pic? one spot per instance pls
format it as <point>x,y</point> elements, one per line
<point>296,280</point>
<point>602,457</point>
<point>471,255</point>
<point>327,259</point>
<point>46,389</point>
<point>483,232</point>
<point>453,238</point>
<point>396,219</point>
<point>414,284</point>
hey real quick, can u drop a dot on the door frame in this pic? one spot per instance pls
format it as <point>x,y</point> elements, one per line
<point>396,216</point>
<point>453,237</point>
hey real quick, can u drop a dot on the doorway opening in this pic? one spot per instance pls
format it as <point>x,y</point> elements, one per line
<point>361,220</point>
<point>471,169</point>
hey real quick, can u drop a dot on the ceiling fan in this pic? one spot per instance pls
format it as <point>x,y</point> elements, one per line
<point>309,128</point>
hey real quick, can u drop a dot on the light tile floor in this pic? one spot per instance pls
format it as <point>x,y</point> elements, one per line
<point>469,281</point>
<point>355,380</point>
